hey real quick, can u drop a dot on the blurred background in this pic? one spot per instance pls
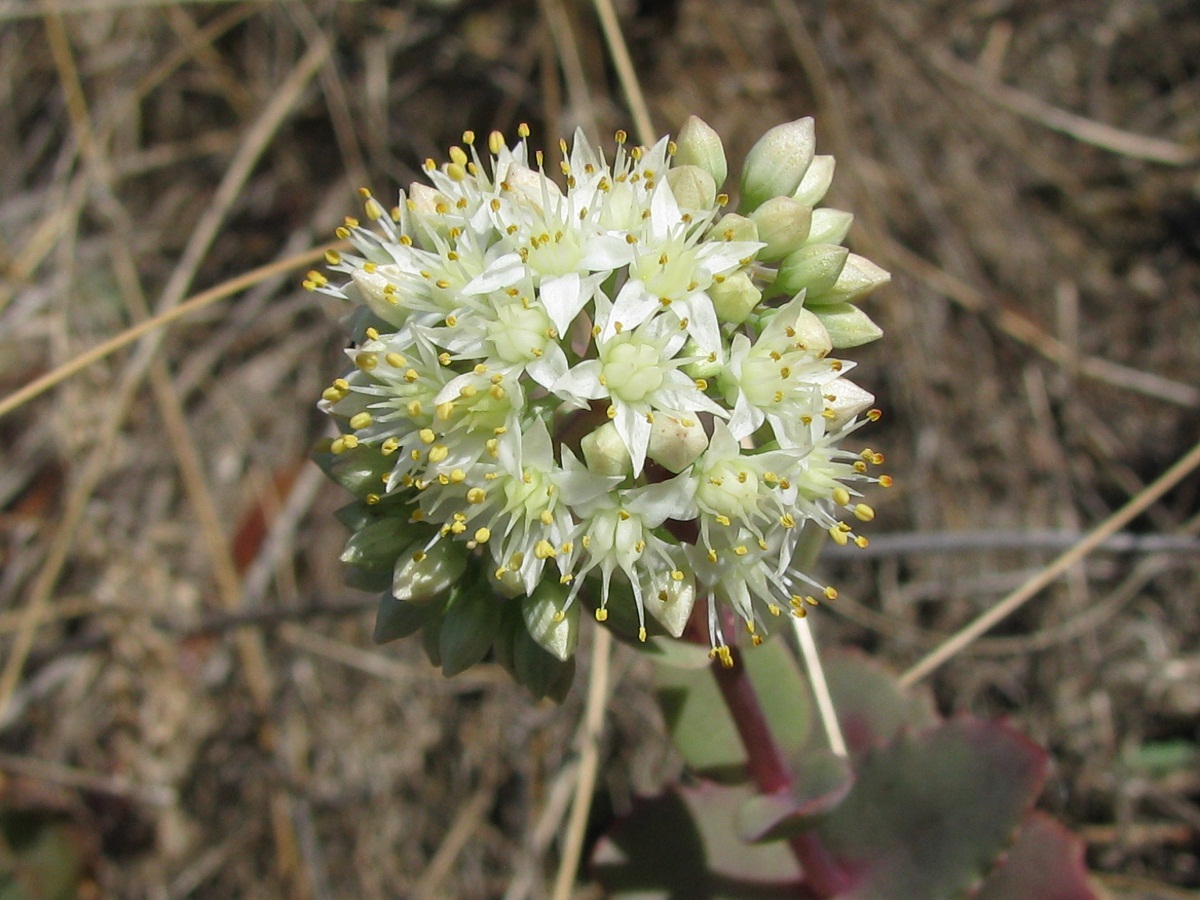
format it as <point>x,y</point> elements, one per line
<point>190,703</point>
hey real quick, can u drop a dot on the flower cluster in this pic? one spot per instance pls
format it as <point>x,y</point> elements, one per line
<point>605,384</point>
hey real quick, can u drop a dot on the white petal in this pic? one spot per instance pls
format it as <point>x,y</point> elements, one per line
<point>671,499</point>
<point>550,367</point>
<point>581,383</point>
<point>746,419</point>
<point>500,273</point>
<point>702,323</point>
<point>605,252</point>
<point>563,297</point>
<point>634,431</point>
<point>632,307</point>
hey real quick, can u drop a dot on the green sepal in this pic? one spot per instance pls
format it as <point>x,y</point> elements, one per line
<point>469,627</point>
<point>370,580</point>
<point>359,470</point>
<point>555,628</point>
<point>423,576</point>
<point>397,619</point>
<point>848,326</point>
<point>376,546</point>
<point>542,673</point>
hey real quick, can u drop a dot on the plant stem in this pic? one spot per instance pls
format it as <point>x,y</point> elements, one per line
<point>771,774</point>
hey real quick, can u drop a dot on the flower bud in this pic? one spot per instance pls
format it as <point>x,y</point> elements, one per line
<point>783,225</point>
<point>776,164</point>
<point>676,439</point>
<point>848,326</point>
<point>732,227</point>
<point>735,298</point>
<point>829,226</point>
<point>848,401</point>
<point>605,452</point>
<point>550,622</point>
<point>698,145</point>
<point>693,187</point>
<point>816,181</point>
<point>420,577</point>
<point>372,288</point>
<point>859,277</point>
<point>813,269</point>
<point>673,603</point>
<point>376,545</point>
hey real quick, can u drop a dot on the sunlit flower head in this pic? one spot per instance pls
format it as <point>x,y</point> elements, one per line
<point>603,380</point>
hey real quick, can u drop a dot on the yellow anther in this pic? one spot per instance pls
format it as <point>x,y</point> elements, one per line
<point>611,412</point>
<point>361,420</point>
<point>701,384</point>
<point>602,615</point>
<point>458,476</point>
<point>332,395</point>
<point>862,512</point>
<point>676,575</point>
<point>543,549</point>
<point>722,520</point>
<point>467,391</point>
<point>395,360</point>
<point>546,517</point>
<point>741,550</point>
<point>773,609</point>
<point>861,542</point>
<point>787,520</point>
<point>438,453</point>
<point>482,536</point>
<point>623,515</point>
<point>642,635</point>
<point>841,496</point>
<point>831,593</point>
<point>366,361</point>
<point>476,495</point>
<point>410,375</point>
<point>445,411</point>
<point>839,536</point>
<point>427,435</point>
<point>885,481</point>
<point>390,446</point>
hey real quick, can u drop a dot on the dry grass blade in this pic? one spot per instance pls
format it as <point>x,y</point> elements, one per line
<point>205,298</point>
<point>1018,598</point>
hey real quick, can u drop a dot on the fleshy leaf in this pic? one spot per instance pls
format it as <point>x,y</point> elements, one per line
<point>931,812</point>
<point>542,673</point>
<point>682,845</point>
<point>1046,863</point>
<point>699,723</point>
<point>823,781</point>
<point>871,707</point>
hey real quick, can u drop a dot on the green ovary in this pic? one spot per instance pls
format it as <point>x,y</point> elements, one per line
<point>633,370</point>
<point>519,334</point>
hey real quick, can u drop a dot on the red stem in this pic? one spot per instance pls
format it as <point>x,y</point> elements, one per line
<point>770,771</point>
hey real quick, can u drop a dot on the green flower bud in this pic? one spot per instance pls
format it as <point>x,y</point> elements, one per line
<point>732,227</point>
<point>848,326</point>
<point>858,278</point>
<point>376,546</point>
<point>829,226</point>
<point>672,602</point>
<point>693,187</point>
<point>813,269</point>
<point>783,225</point>
<point>698,145</point>
<point>705,366</point>
<point>776,164</point>
<point>605,452</point>
<point>676,440</point>
<point>550,622</point>
<point>734,298</point>
<point>816,181</point>
<point>421,576</point>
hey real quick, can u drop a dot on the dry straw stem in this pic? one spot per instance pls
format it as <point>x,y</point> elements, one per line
<point>1014,601</point>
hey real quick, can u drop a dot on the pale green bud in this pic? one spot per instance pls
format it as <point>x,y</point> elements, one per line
<point>783,225</point>
<point>810,334</point>
<point>776,164</point>
<point>706,366</point>
<point>550,622</point>
<point>829,226</point>
<point>671,601</point>
<point>698,145</point>
<point>377,545</point>
<point>858,278</point>
<point>693,187</point>
<point>735,298</point>
<point>813,269</point>
<point>845,400</point>
<point>372,287</point>
<point>816,181</point>
<point>605,452</point>
<point>676,440</point>
<point>732,227</point>
<point>420,577</point>
<point>848,326</point>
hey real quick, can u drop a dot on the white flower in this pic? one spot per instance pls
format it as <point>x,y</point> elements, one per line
<point>510,323</point>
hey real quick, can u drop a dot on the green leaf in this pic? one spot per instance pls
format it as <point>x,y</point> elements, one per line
<point>1046,863</point>
<point>700,725</point>
<point>359,470</point>
<point>470,626</point>
<point>871,707</point>
<point>376,546</point>
<point>931,813</point>
<point>681,846</point>
<point>823,780</point>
